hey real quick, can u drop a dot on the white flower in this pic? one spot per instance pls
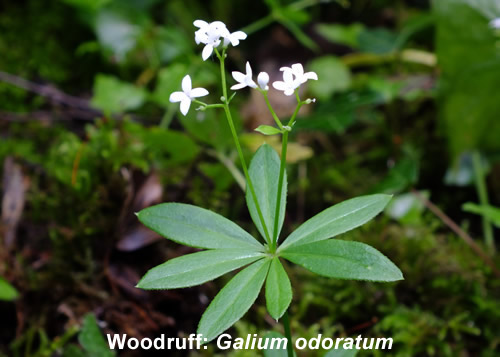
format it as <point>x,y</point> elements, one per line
<point>234,38</point>
<point>244,80</point>
<point>187,95</point>
<point>213,34</point>
<point>298,72</point>
<point>293,77</point>
<point>263,80</point>
<point>288,85</point>
<point>495,23</point>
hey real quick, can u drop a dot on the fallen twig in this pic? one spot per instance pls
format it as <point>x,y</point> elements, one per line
<point>459,231</point>
<point>47,91</point>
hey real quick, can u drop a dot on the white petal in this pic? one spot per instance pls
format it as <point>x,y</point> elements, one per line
<point>177,97</point>
<point>219,25</point>
<point>186,84</point>
<point>249,82</point>
<point>249,69</point>
<point>200,37</point>
<point>495,23</point>
<point>235,37</point>
<point>289,91</point>
<point>240,35</point>
<point>263,80</point>
<point>185,104</point>
<point>282,69</point>
<point>287,76</point>
<point>238,76</point>
<point>279,85</point>
<point>198,92</point>
<point>207,52</point>
<point>310,75</point>
<point>200,23</point>
<point>297,69</point>
<point>238,86</point>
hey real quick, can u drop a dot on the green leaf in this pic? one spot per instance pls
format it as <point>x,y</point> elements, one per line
<point>114,96</point>
<point>234,300</point>
<point>403,174</point>
<point>278,290</point>
<point>196,227</point>
<point>197,268</point>
<point>468,109</point>
<point>92,340</point>
<point>490,212</point>
<point>343,34</point>
<point>276,340</point>
<point>264,172</point>
<point>338,219</point>
<point>268,130</point>
<point>378,41</point>
<point>344,260</point>
<point>169,80</point>
<point>335,77</point>
<point>7,291</point>
<point>337,116</point>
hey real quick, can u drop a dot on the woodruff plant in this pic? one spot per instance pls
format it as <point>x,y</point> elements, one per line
<point>229,247</point>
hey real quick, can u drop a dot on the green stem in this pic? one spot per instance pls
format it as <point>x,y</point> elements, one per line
<point>208,106</point>
<point>259,24</point>
<point>288,334</point>
<point>483,198</point>
<point>238,146</point>
<point>284,144</point>
<point>299,105</point>
<point>271,110</point>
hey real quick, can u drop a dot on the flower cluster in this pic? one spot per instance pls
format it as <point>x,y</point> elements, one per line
<point>215,34</point>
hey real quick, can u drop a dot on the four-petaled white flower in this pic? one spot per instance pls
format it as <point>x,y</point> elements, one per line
<point>293,77</point>
<point>187,95</point>
<point>288,85</point>
<point>244,79</point>
<point>495,23</point>
<point>213,34</point>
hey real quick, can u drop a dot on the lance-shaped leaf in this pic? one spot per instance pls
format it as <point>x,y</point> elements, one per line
<point>344,260</point>
<point>196,227</point>
<point>234,300</point>
<point>338,219</point>
<point>197,268</point>
<point>278,289</point>
<point>264,172</point>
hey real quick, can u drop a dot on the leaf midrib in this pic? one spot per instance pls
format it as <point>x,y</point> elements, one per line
<point>326,256</point>
<point>257,258</point>
<point>323,225</point>
<point>240,293</point>
<point>224,235</point>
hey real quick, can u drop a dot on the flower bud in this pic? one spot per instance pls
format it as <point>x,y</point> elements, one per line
<point>263,80</point>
